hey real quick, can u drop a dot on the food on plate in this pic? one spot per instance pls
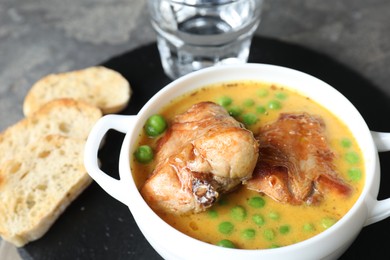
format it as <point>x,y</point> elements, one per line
<point>204,154</point>
<point>244,218</point>
<point>41,167</point>
<point>99,86</point>
<point>296,163</point>
<point>62,116</point>
<point>37,184</point>
<point>155,125</point>
<point>41,156</point>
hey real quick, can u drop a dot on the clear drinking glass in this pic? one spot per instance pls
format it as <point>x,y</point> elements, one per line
<point>195,34</point>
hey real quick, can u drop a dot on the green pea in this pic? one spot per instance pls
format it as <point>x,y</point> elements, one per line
<point>355,174</point>
<point>346,143</point>
<point>274,105</point>
<point>144,154</point>
<point>256,202</point>
<point>327,222</point>
<point>224,101</point>
<point>212,213</point>
<point>226,243</point>
<point>269,234</point>
<point>249,102</point>
<point>155,125</point>
<point>238,213</point>
<point>262,92</point>
<point>274,215</point>
<point>281,95</point>
<point>258,219</point>
<point>226,227</point>
<point>249,233</point>
<point>261,109</point>
<point>352,157</point>
<point>308,227</point>
<point>249,119</point>
<point>284,229</point>
<point>234,111</point>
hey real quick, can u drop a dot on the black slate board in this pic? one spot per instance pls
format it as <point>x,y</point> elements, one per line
<point>96,226</point>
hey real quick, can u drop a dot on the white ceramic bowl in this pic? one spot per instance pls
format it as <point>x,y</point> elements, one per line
<point>172,244</point>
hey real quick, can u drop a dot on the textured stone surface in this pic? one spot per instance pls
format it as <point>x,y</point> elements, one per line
<point>355,32</point>
<point>46,36</point>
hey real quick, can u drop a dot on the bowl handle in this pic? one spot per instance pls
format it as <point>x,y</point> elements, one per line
<point>111,185</point>
<point>381,209</point>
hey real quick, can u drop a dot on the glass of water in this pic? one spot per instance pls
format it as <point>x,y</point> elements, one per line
<point>195,34</point>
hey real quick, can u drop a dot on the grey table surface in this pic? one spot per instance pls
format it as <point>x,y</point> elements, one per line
<point>48,36</point>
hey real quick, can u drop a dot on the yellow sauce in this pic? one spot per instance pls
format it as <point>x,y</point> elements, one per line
<point>281,224</point>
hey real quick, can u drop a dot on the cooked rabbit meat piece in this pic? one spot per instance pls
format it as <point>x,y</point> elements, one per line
<point>204,153</point>
<point>295,162</point>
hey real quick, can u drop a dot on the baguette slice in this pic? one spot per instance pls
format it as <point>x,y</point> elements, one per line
<point>62,116</point>
<point>99,86</point>
<point>38,184</point>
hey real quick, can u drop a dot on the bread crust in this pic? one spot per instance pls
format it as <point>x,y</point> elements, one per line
<point>37,186</point>
<point>98,86</point>
<point>66,117</point>
<point>41,156</point>
<point>42,168</point>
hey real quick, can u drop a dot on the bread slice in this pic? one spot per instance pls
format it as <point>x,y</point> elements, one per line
<point>99,86</point>
<point>38,184</point>
<point>62,116</point>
